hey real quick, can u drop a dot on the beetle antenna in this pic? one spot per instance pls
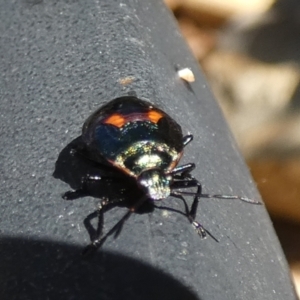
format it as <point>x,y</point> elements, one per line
<point>219,196</point>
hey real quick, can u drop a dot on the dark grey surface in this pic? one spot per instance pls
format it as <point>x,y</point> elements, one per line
<point>59,61</point>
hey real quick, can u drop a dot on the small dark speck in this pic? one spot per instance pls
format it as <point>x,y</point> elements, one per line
<point>33,2</point>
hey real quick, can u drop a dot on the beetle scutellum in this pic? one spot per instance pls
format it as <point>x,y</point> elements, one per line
<point>145,144</point>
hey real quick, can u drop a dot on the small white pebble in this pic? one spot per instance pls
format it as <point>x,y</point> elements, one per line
<point>186,74</point>
<point>165,213</point>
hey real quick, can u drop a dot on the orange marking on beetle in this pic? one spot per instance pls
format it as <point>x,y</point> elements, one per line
<point>116,120</point>
<point>154,116</point>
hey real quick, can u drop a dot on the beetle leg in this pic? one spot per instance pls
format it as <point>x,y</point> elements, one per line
<point>83,190</point>
<point>184,170</point>
<point>95,233</point>
<point>185,184</point>
<point>202,232</point>
<point>190,182</point>
<point>191,213</point>
<point>104,206</point>
<point>187,139</point>
<point>116,229</point>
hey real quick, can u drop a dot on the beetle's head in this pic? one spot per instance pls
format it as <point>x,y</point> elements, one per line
<point>155,183</point>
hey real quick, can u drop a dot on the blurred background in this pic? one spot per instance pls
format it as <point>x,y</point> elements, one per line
<point>250,53</point>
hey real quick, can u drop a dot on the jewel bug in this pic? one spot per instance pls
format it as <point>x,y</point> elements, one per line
<point>145,144</point>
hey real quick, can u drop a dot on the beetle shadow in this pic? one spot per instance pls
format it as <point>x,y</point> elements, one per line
<point>40,269</point>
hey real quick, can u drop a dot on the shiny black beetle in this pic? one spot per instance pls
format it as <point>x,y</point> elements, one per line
<point>145,144</point>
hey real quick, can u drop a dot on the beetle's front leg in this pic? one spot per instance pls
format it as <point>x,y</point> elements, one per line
<point>189,182</point>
